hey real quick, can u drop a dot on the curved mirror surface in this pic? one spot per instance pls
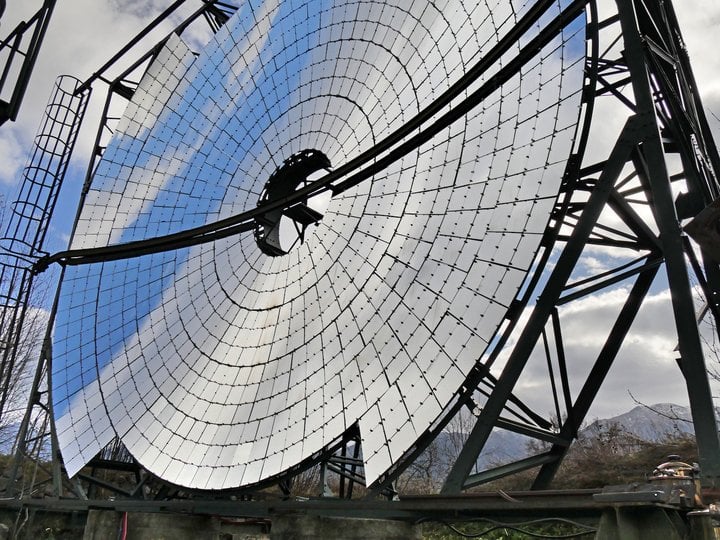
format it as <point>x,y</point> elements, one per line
<point>221,366</point>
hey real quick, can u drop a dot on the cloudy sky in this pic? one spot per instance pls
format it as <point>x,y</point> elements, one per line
<point>84,33</point>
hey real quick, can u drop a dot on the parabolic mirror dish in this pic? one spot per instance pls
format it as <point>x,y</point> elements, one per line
<point>222,365</point>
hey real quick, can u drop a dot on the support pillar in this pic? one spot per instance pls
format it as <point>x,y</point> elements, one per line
<point>641,523</point>
<point>104,524</point>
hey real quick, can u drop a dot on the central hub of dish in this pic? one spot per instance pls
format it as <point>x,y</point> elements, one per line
<point>279,230</point>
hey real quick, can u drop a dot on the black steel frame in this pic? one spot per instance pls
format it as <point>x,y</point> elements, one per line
<point>666,118</point>
<point>22,245</point>
<point>21,48</point>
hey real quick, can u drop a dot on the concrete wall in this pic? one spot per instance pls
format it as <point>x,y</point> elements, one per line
<point>102,525</point>
<point>323,528</point>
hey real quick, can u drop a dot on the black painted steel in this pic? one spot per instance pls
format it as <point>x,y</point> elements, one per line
<point>651,46</point>
<point>20,50</point>
<point>23,242</point>
<point>667,101</point>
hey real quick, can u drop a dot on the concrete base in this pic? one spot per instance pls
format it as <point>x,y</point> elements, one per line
<point>322,528</point>
<point>641,523</point>
<point>102,524</point>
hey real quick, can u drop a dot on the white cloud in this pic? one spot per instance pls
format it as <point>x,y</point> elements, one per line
<point>81,37</point>
<point>13,154</point>
<point>645,368</point>
<point>83,34</point>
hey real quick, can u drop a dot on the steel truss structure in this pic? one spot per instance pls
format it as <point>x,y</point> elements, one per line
<point>18,52</point>
<point>666,139</point>
<point>638,47</point>
<point>667,119</point>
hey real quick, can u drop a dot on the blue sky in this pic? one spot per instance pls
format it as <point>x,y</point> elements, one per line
<point>84,33</point>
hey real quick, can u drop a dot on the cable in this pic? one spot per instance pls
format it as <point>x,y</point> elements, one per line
<point>517,527</point>
<point>122,530</point>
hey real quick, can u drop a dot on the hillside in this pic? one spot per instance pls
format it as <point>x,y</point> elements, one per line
<point>652,424</point>
<point>644,429</point>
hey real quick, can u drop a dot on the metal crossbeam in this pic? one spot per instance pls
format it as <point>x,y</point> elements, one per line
<point>650,46</point>
<point>22,47</point>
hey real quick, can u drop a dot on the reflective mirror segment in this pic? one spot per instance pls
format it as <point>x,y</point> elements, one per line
<point>221,365</point>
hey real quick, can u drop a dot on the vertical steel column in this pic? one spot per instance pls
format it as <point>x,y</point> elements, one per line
<point>692,357</point>
<point>9,110</point>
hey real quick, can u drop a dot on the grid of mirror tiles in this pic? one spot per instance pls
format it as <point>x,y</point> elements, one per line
<point>219,366</point>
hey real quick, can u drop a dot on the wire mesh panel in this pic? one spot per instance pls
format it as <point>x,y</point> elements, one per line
<point>231,362</point>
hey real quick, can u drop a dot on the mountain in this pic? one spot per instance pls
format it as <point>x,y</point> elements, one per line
<point>654,423</point>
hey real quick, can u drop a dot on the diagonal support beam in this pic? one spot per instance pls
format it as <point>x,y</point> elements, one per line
<point>626,144</point>
<point>597,375</point>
